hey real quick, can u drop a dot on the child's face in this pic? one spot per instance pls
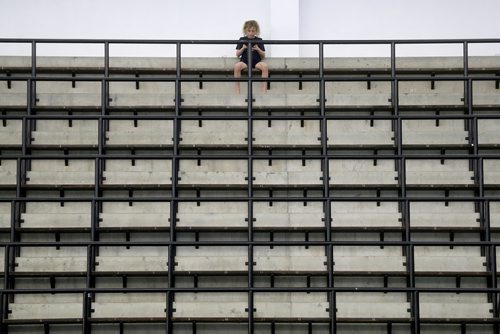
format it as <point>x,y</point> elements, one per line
<point>251,32</point>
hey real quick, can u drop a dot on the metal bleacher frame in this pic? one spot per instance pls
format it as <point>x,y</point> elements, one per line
<point>176,152</point>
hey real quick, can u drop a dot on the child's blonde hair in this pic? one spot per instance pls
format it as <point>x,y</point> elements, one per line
<point>251,24</point>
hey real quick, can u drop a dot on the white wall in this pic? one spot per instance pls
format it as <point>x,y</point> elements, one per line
<point>222,19</point>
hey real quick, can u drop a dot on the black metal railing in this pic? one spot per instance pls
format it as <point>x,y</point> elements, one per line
<point>324,191</point>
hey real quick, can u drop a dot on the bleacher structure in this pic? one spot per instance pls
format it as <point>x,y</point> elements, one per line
<point>142,195</point>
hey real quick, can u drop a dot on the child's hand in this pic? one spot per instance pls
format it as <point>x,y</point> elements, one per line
<point>244,47</point>
<point>256,48</point>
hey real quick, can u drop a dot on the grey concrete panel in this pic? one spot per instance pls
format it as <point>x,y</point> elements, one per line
<point>440,214</point>
<point>132,263</point>
<point>53,93</point>
<point>495,214</point>
<point>134,252</point>
<point>5,214</point>
<point>425,132</point>
<point>8,172</point>
<point>140,214</point>
<point>287,172</point>
<point>466,306</point>
<point>488,131</point>
<point>360,132</point>
<point>365,214</point>
<point>359,171</point>
<point>214,133</point>
<point>53,215</point>
<point>368,259</point>
<point>227,63</point>
<point>16,96</point>
<point>491,170</point>
<point>290,259</point>
<point>372,306</point>
<point>141,171</point>
<point>11,133</point>
<point>433,172</point>
<point>210,305</point>
<point>129,310</point>
<point>285,133</point>
<point>59,132</point>
<point>288,215</point>
<point>143,132</point>
<point>291,305</point>
<point>54,172</point>
<point>61,264</point>
<point>212,214</point>
<point>13,100</point>
<point>211,259</point>
<point>444,259</point>
<point>213,172</point>
<point>126,94</point>
<point>45,311</point>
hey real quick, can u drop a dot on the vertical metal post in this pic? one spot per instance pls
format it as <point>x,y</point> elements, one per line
<point>251,327</point>
<point>466,72</point>
<point>173,202</point>
<point>416,311</point>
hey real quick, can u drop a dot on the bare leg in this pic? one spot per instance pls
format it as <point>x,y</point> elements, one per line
<point>265,74</point>
<point>238,67</point>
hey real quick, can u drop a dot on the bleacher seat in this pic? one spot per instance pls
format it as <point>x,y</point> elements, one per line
<point>130,306</point>
<point>15,97</point>
<point>290,259</point>
<point>426,132</point>
<point>455,306</point>
<point>206,259</point>
<point>488,131</point>
<point>361,172</point>
<point>8,172</point>
<point>44,261</point>
<point>140,172</point>
<point>295,173</point>
<point>213,306</point>
<point>134,215</point>
<point>366,215</point>
<point>61,133</point>
<point>38,307</point>
<point>434,172</point>
<point>142,133</point>
<point>441,215</point>
<point>420,93</point>
<point>56,217</point>
<point>5,215</point>
<point>11,133</point>
<point>291,306</point>
<point>150,94</point>
<point>442,259</point>
<point>356,95</point>
<point>494,214</point>
<point>286,133</point>
<point>491,168</point>
<point>213,133</point>
<point>288,215</point>
<point>212,215</point>
<point>372,306</point>
<point>56,172</point>
<point>360,133</point>
<point>60,94</point>
<point>213,172</point>
<point>369,259</point>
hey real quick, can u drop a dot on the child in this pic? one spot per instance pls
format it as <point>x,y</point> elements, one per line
<point>251,30</point>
